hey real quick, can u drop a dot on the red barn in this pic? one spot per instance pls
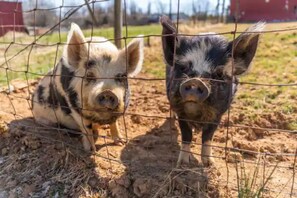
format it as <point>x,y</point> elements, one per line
<point>267,10</point>
<point>11,17</point>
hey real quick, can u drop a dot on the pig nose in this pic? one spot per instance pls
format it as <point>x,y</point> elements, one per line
<point>108,100</point>
<point>194,90</point>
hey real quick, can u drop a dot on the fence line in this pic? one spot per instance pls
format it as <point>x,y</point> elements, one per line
<point>119,15</point>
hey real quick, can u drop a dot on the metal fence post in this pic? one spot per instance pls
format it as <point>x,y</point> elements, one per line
<point>118,21</point>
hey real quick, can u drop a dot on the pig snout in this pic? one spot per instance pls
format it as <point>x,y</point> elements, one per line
<point>108,100</point>
<point>194,90</point>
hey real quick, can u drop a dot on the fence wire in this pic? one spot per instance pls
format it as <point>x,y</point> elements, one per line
<point>249,160</point>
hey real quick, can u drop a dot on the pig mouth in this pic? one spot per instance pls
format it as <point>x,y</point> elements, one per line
<point>189,101</point>
<point>100,120</point>
<point>106,110</point>
<point>199,111</point>
<point>102,116</point>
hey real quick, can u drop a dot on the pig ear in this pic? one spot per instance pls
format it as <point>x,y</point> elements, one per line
<point>168,39</point>
<point>245,47</point>
<point>133,54</point>
<point>76,47</point>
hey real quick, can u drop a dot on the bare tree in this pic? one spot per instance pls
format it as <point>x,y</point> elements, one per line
<point>170,9</point>
<point>200,10</point>
<point>161,6</point>
<point>41,18</point>
<point>133,8</point>
<point>195,11</point>
<point>91,13</point>
<point>218,11</point>
<point>206,10</point>
<point>149,5</point>
<point>223,12</point>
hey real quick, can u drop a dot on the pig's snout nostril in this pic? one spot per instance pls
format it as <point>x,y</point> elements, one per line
<point>108,100</point>
<point>101,98</point>
<point>200,91</point>
<point>188,87</point>
<point>191,87</point>
<point>112,99</point>
<point>194,90</point>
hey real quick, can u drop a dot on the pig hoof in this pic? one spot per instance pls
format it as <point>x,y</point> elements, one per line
<point>86,145</point>
<point>118,141</point>
<point>208,161</point>
<point>184,158</point>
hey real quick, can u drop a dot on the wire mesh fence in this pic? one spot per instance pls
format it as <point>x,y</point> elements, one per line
<point>254,147</point>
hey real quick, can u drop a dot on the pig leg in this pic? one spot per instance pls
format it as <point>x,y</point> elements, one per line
<point>86,128</point>
<point>185,154</point>
<point>88,137</point>
<point>115,133</point>
<point>206,151</point>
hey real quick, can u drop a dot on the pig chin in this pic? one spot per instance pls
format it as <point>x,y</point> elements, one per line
<point>199,111</point>
<point>101,115</point>
<point>191,108</point>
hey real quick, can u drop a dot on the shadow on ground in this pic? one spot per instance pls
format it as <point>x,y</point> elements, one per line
<point>150,171</point>
<point>36,162</point>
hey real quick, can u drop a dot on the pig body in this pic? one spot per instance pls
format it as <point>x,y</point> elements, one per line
<point>202,83</point>
<point>88,86</point>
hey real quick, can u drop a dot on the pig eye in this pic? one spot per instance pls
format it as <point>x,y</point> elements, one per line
<point>90,64</point>
<point>90,76</point>
<point>186,67</point>
<point>183,68</point>
<point>190,65</point>
<point>121,77</point>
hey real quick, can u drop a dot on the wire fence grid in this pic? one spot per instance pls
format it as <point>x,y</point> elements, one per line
<point>42,131</point>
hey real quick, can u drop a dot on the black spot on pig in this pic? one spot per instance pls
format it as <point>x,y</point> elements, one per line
<point>32,100</point>
<point>40,91</point>
<point>66,77</point>
<point>218,54</point>
<point>56,100</point>
<point>73,97</point>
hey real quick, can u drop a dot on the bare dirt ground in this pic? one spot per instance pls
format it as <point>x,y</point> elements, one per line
<point>259,147</point>
<point>36,161</point>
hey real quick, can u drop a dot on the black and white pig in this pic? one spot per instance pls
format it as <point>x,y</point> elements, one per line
<point>88,86</point>
<point>201,84</point>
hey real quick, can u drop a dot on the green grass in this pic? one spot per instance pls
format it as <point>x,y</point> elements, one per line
<point>104,32</point>
<point>42,58</point>
<point>252,184</point>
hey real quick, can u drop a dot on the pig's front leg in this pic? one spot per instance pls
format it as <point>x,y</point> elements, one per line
<point>185,154</point>
<point>206,151</point>
<point>86,128</point>
<point>88,137</point>
<point>115,133</point>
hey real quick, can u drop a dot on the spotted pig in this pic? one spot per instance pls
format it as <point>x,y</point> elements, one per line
<point>88,86</point>
<point>201,80</point>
